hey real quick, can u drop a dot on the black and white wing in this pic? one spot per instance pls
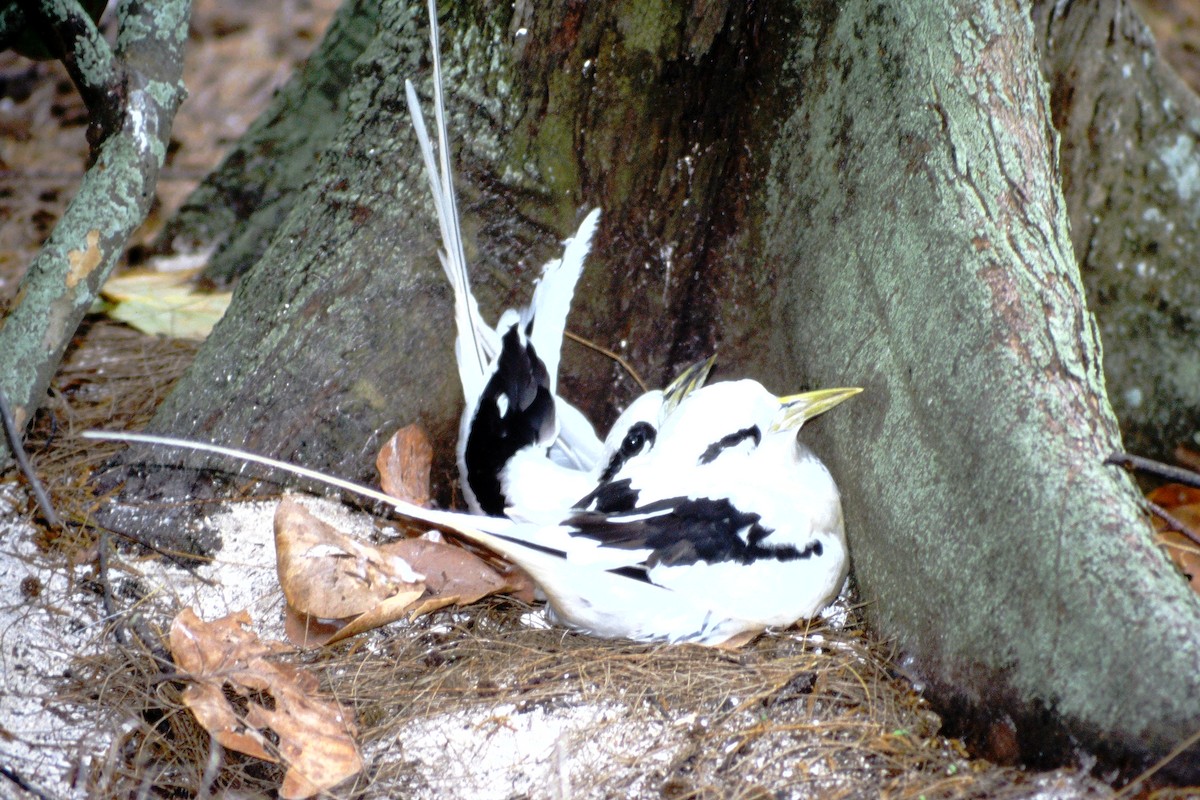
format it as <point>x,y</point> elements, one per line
<point>483,354</point>
<point>682,531</point>
<point>515,411</point>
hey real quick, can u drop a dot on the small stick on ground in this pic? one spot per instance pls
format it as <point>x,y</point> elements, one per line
<point>1156,468</point>
<point>1161,470</point>
<point>1173,522</point>
<point>23,782</point>
<point>605,351</point>
<point>17,448</point>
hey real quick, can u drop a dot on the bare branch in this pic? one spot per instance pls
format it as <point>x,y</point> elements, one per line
<point>140,86</point>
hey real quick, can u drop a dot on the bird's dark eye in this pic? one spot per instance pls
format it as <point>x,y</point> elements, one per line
<point>640,435</point>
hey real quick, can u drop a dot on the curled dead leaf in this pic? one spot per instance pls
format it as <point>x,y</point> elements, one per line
<point>329,575</point>
<point>337,587</point>
<point>404,464</point>
<point>313,737</point>
<point>454,575</point>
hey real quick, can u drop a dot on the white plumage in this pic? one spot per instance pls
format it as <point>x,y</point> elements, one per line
<point>699,518</point>
<point>726,520</point>
<point>696,540</point>
<point>552,437</point>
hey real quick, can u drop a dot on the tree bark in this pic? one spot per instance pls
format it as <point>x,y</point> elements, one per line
<point>132,96</point>
<point>828,193</point>
<point>544,114</point>
<point>1129,154</point>
<point>240,206</point>
<point>986,532</point>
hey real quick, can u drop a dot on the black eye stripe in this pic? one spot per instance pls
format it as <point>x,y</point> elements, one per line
<point>732,440</point>
<point>640,436</point>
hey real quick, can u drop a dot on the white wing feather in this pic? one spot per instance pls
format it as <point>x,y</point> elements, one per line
<point>552,297</point>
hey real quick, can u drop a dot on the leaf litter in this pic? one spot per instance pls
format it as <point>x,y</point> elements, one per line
<point>474,703</point>
<point>315,738</point>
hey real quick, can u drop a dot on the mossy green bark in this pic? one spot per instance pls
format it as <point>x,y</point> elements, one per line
<point>112,201</point>
<point>238,208</point>
<point>918,173</point>
<point>290,369</point>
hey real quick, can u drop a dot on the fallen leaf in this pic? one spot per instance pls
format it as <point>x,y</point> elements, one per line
<point>337,587</point>
<point>404,464</point>
<point>1183,503</point>
<point>329,575</point>
<point>1172,495</point>
<point>314,738</point>
<point>454,575</point>
<point>165,303</point>
<point>1185,553</point>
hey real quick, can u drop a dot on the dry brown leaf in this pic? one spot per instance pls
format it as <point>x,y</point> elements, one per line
<point>308,632</point>
<point>1183,502</point>
<point>453,575</point>
<point>337,587</point>
<point>1184,553</point>
<point>329,575</point>
<point>1173,495</point>
<point>315,737</point>
<point>404,464</point>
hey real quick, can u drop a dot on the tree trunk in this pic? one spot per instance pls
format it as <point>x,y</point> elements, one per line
<point>986,532</point>
<point>240,206</point>
<point>1129,155</point>
<point>828,194</point>
<point>544,114</point>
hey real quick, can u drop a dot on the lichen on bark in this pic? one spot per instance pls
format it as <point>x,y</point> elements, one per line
<point>986,533</point>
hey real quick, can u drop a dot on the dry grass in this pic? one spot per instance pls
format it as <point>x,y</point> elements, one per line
<point>787,715</point>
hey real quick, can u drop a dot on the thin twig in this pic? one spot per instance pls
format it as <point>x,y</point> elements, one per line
<point>1172,521</point>
<point>1156,468</point>
<point>1132,787</point>
<point>1168,472</point>
<point>605,351</point>
<point>23,782</point>
<point>212,768</point>
<point>17,448</point>
<point>110,610</point>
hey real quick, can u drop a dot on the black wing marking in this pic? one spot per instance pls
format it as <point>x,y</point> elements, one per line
<point>516,410</point>
<point>681,531</point>
<point>732,440</point>
<point>613,497</point>
<point>640,436</point>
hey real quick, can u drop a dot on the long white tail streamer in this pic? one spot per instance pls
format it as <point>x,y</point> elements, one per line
<point>469,525</point>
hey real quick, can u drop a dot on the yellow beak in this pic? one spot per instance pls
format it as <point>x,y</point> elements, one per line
<point>797,409</point>
<point>687,382</point>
